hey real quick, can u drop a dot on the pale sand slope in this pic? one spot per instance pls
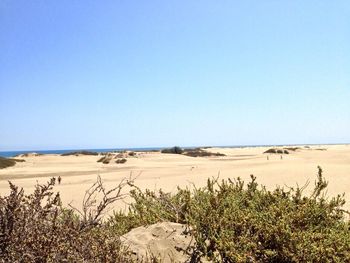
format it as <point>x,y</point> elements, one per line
<point>167,171</point>
<point>169,242</point>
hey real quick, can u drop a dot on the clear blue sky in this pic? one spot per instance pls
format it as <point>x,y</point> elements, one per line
<point>95,74</point>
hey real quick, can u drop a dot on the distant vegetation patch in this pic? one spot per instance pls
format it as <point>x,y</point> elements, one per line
<point>79,153</point>
<point>108,158</point>
<point>8,162</point>
<point>279,151</point>
<point>293,149</point>
<point>105,159</point>
<point>28,154</point>
<point>173,150</point>
<point>121,160</point>
<point>194,152</point>
<point>198,152</point>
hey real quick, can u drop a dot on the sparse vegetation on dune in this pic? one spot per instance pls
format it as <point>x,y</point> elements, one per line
<point>278,151</point>
<point>108,158</point>
<point>8,162</point>
<point>321,149</point>
<point>32,154</point>
<point>105,159</point>
<point>79,153</point>
<point>230,221</point>
<point>198,152</point>
<point>132,153</point>
<point>293,149</point>
<point>193,152</point>
<point>123,160</point>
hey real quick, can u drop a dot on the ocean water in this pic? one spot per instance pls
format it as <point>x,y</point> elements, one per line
<point>14,153</point>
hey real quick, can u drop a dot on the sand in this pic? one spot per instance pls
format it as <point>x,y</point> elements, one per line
<point>167,171</point>
<point>166,241</point>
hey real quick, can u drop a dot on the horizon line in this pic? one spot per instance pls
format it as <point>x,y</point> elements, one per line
<point>160,147</point>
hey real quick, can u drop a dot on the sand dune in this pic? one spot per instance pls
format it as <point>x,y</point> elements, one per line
<point>167,171</point>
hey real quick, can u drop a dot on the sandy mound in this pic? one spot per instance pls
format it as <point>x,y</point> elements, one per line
<point>166,241</point>
<point>33,154</point>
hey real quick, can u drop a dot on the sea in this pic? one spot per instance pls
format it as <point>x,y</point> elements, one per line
<point>14,153</point>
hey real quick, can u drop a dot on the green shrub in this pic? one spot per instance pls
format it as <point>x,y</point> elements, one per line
<point>174,150</point>
<point>123,160</point>
<point>234,222</point>
<point>237,224</point>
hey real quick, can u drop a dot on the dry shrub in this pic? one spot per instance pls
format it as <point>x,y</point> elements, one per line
<point>36,228</point>
<point>123,160</point>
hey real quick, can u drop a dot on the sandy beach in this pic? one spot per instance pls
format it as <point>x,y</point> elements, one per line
<point>167,171</point>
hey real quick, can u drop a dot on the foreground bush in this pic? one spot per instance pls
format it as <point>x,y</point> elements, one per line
<point>36,228</point>
<point>234,222</point>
